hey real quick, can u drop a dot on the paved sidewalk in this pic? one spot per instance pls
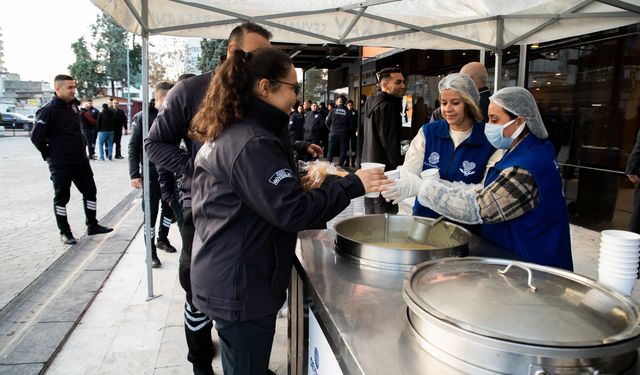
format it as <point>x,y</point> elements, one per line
<point>123,333</point>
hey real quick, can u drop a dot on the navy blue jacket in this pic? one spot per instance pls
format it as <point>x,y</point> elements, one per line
<point>57,133</point>
<point>314,127</point>
<point>248,205</point>
<point>465,163</point>
<point>541,235</point>
<point>339,121</point>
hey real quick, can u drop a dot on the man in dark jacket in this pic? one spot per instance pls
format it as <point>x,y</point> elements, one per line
<point>160,91</point>
<point>296,125</point>
<point>382,127</point>
<point>314,126</point>
<point>163,148</point>
<point>120,123</point>
<point>105,132</point>
<point>353,139</point>
<point>88,129</point>
<point>57,136</point>
<point>340,125</point>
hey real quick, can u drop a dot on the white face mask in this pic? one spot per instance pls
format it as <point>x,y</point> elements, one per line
<point>494,134</point>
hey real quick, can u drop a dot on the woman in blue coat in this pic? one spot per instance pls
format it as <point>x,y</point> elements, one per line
<point>455,145</point>
<point>521,203</point>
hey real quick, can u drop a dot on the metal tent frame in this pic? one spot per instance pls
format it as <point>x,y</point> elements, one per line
<point>493,25</point>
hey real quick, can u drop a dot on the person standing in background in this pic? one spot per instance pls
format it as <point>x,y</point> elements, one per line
<point>135,163</point>
<point>58,137</point>
<point>119,123</point>
<point>88,129</point>
<point>105,132</point>
<point>382,126</point>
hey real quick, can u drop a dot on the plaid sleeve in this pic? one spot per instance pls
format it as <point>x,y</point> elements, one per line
<point>511,195</point>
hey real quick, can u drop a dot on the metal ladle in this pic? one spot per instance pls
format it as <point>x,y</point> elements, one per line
<point>420,229</point>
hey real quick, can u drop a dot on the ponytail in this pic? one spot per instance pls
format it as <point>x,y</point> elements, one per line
<point>226,100</point>
<point>228,97</point>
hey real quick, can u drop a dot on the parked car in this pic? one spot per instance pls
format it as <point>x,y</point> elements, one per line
<point>32,117</point>
<point>9,119</point>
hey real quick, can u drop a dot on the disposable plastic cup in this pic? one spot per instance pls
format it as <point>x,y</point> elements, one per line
<point>618,269</point>
<point>624,286</point>
<point>393,175</point>
<point>609,272</point>
<point>431,173</point>
<point>627,265</point>
<point>617,236</point>
<point>374,194</point>
<point>619,251</point>
<point>620,243</point>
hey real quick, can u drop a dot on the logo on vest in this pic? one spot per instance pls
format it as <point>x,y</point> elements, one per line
<point>434,159</point>
<point>280,175</point>
<point>468,168</point>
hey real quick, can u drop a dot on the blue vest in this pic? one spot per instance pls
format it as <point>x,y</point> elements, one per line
<point>541,235</point>
<point>465,163</point>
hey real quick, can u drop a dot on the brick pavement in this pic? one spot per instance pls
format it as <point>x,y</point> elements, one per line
<point>29,239</point>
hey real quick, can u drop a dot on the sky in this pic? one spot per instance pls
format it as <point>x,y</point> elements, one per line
<point>38,34</point>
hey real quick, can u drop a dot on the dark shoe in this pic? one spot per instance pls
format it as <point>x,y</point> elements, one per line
<point>165,245</point>
<point>119,157</point>
<point>155,261</point>
<point>202,370</point>
<point>68,239</point>
<point>97,229</point>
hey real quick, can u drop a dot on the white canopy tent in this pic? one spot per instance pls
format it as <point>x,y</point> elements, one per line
<point>422,24</point>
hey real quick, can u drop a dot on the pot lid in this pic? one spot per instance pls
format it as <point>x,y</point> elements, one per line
<point>565,309</point>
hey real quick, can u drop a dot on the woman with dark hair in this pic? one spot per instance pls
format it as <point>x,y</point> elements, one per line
<point>248,203</point>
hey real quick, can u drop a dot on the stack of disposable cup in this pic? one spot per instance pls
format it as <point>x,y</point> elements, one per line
<point>618,264</point>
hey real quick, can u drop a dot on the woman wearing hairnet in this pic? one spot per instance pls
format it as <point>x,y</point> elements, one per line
<point>521,205</point>
<point>455,145</point>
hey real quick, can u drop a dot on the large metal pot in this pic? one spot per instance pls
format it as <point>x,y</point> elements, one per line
<point>382,241</point>
<point>494,316</point>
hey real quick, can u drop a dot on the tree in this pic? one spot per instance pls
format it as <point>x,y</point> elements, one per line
<point>212,51</point>
<point>315,84</point>
<point>85,70</point>
<point>157,69</point>
<point>111,49</point>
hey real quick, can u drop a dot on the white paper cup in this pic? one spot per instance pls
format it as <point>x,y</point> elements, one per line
<point>626,262</point>
<point>618,236</point>
<point>624,286</point>
<point>431,173</point>
<point>619,250</point>
<point>374,194</point>
<point>393,175</point>
<point>617,273</point>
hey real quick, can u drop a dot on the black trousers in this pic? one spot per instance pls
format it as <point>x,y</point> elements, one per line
<point>246,346</point>
<point>82,176</point>
<point>155,203</point>
<point>117,137</point>
<point>379,206</point>
<point>197,326</point>
<point>90,140</point>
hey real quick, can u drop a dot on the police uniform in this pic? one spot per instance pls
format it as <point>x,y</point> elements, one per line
<point>58,137</point>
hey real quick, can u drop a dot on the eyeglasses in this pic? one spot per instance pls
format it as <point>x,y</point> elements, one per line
<point>296,86</point>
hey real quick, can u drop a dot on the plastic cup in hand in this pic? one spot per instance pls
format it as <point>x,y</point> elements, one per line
<point>373,194</point>
<point>393,175</point>
<point>430,174</point>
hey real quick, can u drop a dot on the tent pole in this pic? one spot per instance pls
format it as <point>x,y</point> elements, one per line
<point>359,109</point>
<point>497,78</point>
<point>522,65</point>
<point>483,53</point>
<point>145,159</point>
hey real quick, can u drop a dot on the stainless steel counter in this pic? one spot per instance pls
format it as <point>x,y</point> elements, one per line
<point>361,310</point>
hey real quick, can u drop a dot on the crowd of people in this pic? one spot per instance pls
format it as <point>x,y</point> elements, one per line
<point>223,147</point>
